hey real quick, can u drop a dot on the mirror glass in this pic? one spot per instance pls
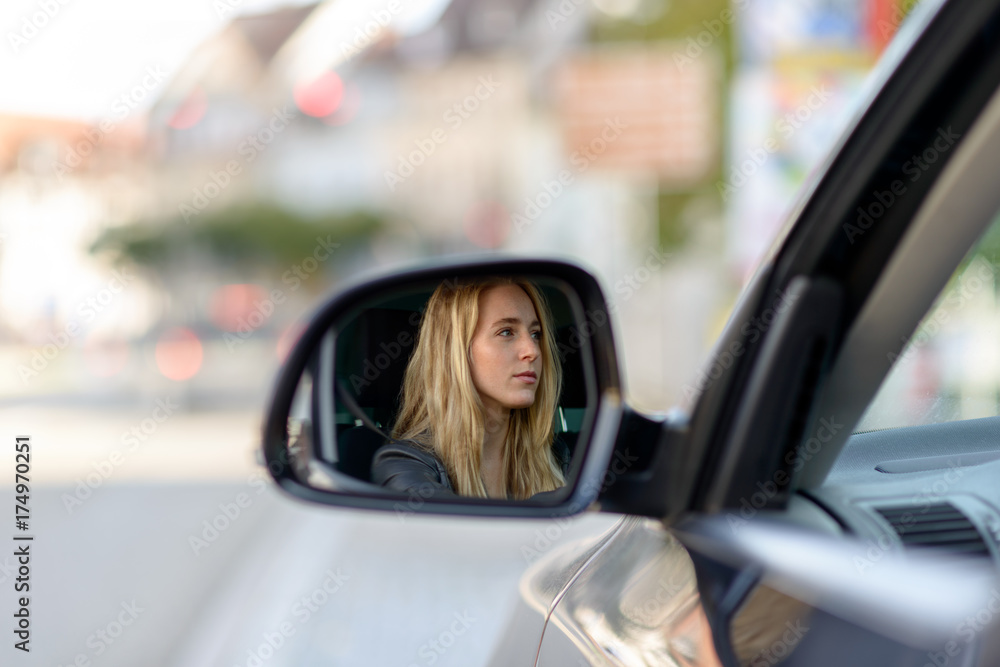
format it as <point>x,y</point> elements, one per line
<point>471,387</point>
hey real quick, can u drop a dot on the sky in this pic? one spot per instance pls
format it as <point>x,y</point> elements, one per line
<point>75,58</point>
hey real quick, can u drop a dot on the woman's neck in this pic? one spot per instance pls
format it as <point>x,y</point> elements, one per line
<point>497,423</point>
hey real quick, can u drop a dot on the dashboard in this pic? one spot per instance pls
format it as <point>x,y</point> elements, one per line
<point>924,487</point>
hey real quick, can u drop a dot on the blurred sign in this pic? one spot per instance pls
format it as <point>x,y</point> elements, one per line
<point>641,110</point>
<point>772,29</point>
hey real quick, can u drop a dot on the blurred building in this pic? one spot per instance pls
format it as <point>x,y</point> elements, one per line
<point>61,182</point>
<point>470,127</point>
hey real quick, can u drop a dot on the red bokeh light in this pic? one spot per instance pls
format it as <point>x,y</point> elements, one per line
<point>321,96</point>
<point>190,110</point>
<point>231,306</point>
<point>179,354</point>
<point>487,224</point>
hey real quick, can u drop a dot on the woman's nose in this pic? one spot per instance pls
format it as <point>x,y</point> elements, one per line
<point>530,349</point>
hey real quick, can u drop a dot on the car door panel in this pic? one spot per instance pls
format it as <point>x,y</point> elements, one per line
<point>542,586</point>
<point>635,603</point>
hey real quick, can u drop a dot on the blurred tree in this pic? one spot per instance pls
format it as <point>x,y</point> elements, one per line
<point>255,239</point>
<point>673,21</point>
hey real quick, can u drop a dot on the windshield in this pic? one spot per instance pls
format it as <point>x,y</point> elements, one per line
<point>949,368</point>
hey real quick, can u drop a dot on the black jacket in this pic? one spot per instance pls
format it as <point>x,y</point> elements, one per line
<point>407,466</point>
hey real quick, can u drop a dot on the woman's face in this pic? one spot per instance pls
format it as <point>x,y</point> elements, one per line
<point>505,353</point>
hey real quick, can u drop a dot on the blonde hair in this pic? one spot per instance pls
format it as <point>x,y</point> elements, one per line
<point>442,410</point>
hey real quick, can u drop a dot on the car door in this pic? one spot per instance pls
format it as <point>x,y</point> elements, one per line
<point>874,240</point>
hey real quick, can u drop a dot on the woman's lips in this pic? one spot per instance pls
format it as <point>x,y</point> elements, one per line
<point>528,377</point>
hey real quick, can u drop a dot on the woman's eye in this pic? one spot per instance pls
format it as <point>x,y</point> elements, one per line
<point>537,335</point>
<point>505,332</point>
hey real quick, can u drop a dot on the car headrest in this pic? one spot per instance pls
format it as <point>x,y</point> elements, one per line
<point>383,339</point>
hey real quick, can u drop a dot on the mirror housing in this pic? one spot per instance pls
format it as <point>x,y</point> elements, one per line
<point>339,386</point>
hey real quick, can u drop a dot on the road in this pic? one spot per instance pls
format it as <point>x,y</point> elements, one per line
<point>124,581</point>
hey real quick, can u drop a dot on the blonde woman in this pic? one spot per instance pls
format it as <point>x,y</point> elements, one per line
<point>479,397</point>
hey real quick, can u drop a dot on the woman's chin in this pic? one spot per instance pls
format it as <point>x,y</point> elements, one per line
<point>522,402</point>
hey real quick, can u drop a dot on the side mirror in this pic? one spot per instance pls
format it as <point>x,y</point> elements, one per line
<point>375,402</point>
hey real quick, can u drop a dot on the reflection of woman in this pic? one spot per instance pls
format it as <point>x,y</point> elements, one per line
<point>479,397</point>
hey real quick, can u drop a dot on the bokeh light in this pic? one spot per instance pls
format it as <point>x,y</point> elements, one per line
<point>179,354</point>
<point>231,306</point>
<point>321,96</point>
<point>190,111</point>
<point>487,224</point>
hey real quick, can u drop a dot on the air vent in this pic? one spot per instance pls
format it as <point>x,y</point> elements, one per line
<point>939,526</point>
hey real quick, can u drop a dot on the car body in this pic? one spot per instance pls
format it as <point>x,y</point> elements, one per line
<point>761,505</point>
